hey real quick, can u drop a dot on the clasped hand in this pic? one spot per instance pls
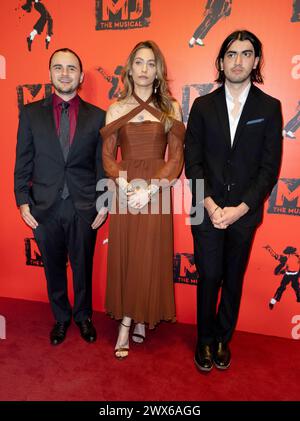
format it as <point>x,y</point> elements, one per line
<point>137,197</point>
<point>222,218</point>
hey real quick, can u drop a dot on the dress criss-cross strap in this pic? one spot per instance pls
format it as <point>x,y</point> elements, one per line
<point>140,248</point>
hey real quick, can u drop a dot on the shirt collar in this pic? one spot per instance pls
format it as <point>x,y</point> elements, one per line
<point>243,95</point>
<point>57,101</point>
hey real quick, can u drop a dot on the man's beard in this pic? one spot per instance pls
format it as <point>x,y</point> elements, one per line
<point>67,90</point>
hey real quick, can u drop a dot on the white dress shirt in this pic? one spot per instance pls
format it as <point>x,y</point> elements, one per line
<point>233,122</point>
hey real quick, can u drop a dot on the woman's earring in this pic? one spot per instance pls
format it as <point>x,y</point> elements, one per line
<point>156,84</point>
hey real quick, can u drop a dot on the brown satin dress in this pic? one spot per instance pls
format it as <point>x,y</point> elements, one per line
<point>140,246</point>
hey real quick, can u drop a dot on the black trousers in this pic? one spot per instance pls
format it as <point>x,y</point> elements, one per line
<point>293,124</point>
<point>293,279</point>
<point>65,235</point>
<point>221,258</point>
<point>219,9</point>
<point>45,18</point>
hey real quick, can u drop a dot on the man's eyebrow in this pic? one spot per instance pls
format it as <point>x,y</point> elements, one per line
<point>68,65</point>
<point>244,51</point>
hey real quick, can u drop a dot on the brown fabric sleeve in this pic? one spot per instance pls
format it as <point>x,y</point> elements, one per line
<point>109,153</point>
<point>173,166</point>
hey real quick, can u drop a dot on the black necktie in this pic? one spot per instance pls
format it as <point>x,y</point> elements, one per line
<point>64,138</point>
<point>64,129</point>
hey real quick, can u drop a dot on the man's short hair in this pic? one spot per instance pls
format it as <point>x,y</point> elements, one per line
<point>66,50</point>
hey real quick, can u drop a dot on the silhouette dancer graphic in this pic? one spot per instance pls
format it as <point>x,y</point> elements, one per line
<point>289,264</point>
<point>293,125</point>
<point>214,11</point>
<point>296,11</point>
<point>45,18</point>
<point>114,79</point>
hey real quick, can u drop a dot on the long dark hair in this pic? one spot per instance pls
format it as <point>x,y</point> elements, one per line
<point>241,35</point>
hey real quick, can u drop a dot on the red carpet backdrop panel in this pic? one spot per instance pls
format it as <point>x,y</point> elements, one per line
<point>103,32</point>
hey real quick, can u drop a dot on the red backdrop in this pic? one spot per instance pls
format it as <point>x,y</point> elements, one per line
<point>93,29</point>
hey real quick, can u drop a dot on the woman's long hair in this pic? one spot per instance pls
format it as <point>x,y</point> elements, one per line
<point>161,95</point>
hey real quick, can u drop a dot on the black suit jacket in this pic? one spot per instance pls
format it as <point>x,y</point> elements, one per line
<point>244,172</point>
<point>40,168</point>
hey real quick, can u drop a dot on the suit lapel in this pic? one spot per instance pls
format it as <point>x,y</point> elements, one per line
<point>221,107</point>
<point>247,112</point>
<point>48,121</point>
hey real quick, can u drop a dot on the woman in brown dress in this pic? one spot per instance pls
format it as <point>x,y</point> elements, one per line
<point>143,122</point>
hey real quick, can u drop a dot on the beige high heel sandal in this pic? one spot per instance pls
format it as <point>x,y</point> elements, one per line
<point>123,349</point>
<point>138,338</point>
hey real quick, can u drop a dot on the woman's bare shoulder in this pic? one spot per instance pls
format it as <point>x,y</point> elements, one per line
<point>177,113</point>
<point>116,110</point>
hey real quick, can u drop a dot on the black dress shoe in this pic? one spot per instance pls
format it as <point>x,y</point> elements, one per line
<point>29,42</point>
<point>203,358</point>
<point>87,330</point>
<point>58,333</point>
<point>221,355</point>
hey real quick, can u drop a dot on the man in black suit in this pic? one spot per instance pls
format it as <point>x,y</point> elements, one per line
<point>58,163</point>
<point>233,143</point>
